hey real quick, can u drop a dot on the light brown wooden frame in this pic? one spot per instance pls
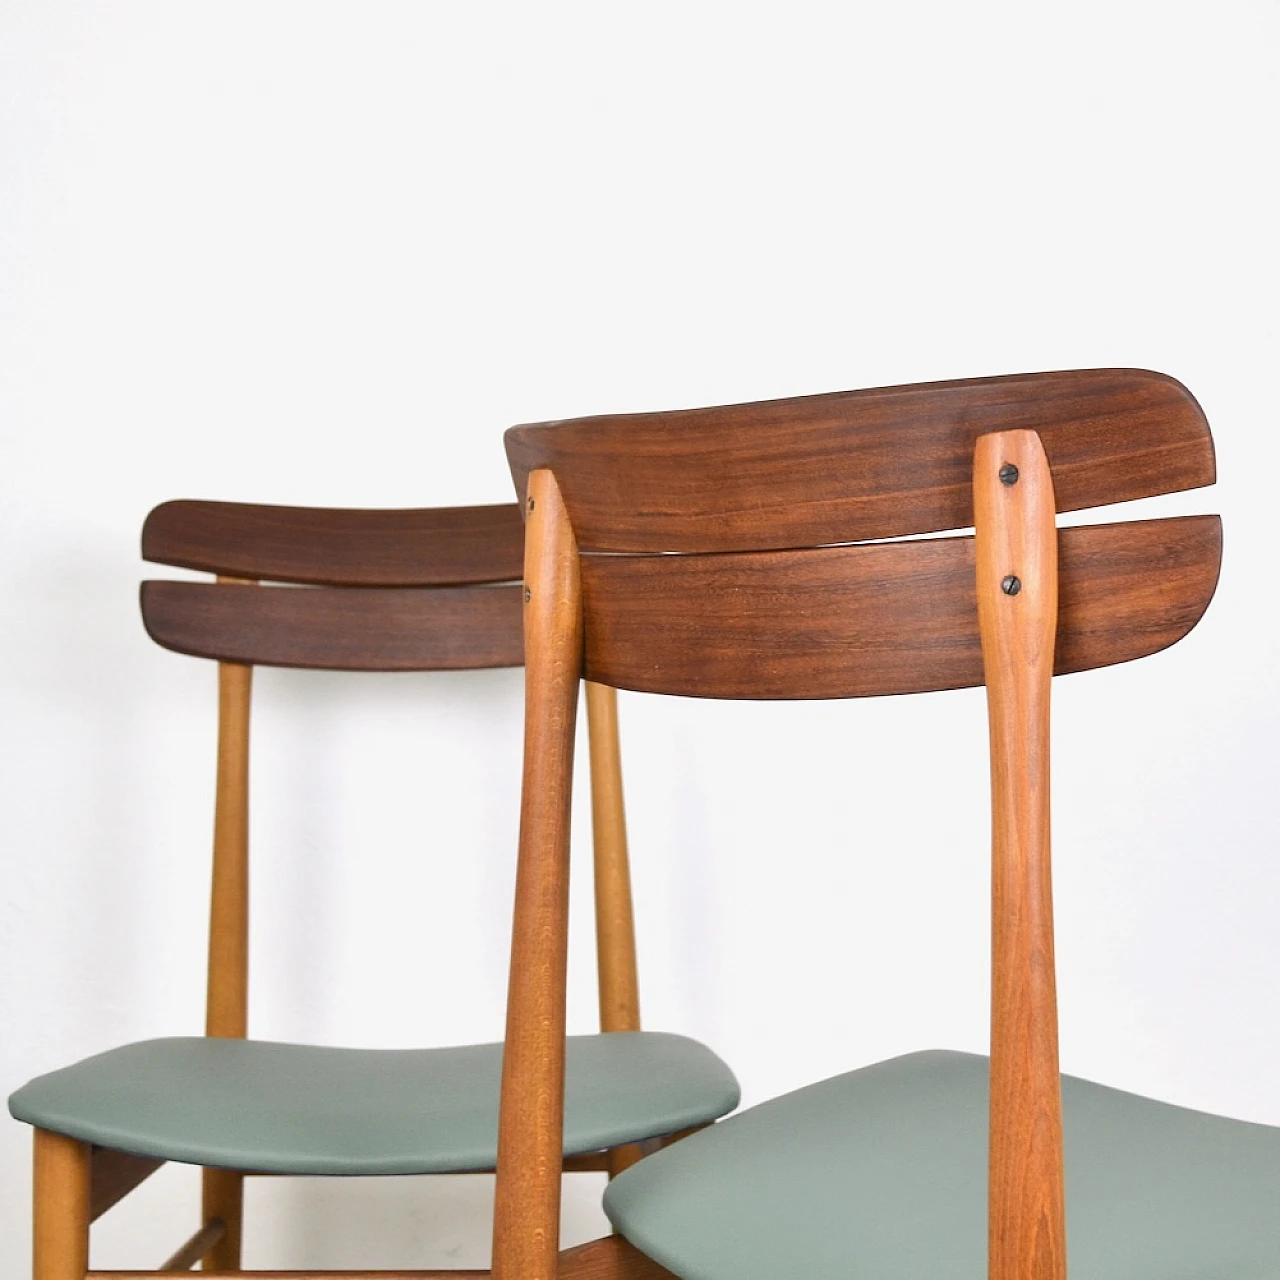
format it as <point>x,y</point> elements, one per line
<point>75,1183</point>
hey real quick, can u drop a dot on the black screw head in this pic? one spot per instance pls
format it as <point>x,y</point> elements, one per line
<point>530,504</point>
<point>1011,585</point>
<point>1008,474</point>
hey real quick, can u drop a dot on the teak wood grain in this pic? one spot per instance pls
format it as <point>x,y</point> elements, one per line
<point>1017,585</point>
<point>527,1194</point>
<point>339,629</point>
<point>439,546</point>
<point>856,465</point>
<point>883,618</point>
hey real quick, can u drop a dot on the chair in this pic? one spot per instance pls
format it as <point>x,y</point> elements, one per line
<point>728,553</point>
<point>383,591</point>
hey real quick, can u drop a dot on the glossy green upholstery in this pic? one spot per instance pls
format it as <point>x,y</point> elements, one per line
<point>880,1174</point>
<point>301,1109</point>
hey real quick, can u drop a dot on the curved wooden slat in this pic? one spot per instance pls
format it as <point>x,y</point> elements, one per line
<point>859,464</point>
<point>897,617</point>
<point>439,546</point>
<point>365,629</point>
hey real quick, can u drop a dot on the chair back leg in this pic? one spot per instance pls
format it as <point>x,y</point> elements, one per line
<point>619,981</point>
<point>526,1216</point>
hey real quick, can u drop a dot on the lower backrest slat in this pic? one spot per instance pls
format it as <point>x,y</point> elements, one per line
<point>880,618</point>
<point>339,629</point>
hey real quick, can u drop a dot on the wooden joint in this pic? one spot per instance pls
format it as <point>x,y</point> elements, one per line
<point>113,1175</point>
<point>199,1246</point>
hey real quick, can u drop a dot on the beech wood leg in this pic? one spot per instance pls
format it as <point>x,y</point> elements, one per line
<point>60,1233</point>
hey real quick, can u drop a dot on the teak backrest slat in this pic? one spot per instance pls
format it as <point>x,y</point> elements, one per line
<point>880,618</point>
<point>858,464</point>
<point>443,546</point>
<point>338,629</point>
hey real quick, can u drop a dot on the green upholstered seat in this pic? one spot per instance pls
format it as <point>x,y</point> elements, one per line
<point>286,1108</point>
<point>880,1174</point>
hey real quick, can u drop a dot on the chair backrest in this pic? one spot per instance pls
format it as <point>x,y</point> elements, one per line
<point>374,590</point>
<point>823,621</point>
<point>765,597</point>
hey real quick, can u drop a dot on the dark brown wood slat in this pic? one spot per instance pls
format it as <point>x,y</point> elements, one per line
<point>858,464</point>
<point>440,546</point>
<point>898,617</point>
<point>339,629</point>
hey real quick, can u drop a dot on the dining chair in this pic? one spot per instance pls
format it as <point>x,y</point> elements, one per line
<point>426,590</point>
<point>772,550</point>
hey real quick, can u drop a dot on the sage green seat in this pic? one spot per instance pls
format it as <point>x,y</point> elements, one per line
<point>302,1109</point>
<point>881,1174</point>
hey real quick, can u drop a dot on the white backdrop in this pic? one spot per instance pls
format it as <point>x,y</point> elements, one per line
<point>321,253</point>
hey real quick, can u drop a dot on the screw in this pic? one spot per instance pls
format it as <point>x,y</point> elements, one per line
<point>1011,585</point>
<point>1008,474</point>
<point>530,504</point>
<point>528,595</point>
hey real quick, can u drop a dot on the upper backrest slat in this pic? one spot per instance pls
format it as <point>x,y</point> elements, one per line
<point>440,546</point>
<point>858,465</point>
<point>339,629</point>
<point>885,618</point>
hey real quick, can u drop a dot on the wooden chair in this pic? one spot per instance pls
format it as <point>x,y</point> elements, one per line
<point>384,591</point>
<point>775,590</point>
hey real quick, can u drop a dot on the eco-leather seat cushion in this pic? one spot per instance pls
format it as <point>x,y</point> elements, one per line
<point>881,1174</point>
<point>287,1108</point>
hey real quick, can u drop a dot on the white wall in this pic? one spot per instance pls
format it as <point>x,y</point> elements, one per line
<point>321,253</point>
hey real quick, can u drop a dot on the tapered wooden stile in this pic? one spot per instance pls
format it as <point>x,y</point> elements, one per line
<point>619,981</point>
<point>198,1246</point>
<point>227,1012</point>
<point>60,1228</point>
<point>527,1197</point>
<point>1017,585</point>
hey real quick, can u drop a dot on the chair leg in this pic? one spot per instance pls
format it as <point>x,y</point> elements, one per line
<point>60,1234</point>
<point>224,1198</point>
